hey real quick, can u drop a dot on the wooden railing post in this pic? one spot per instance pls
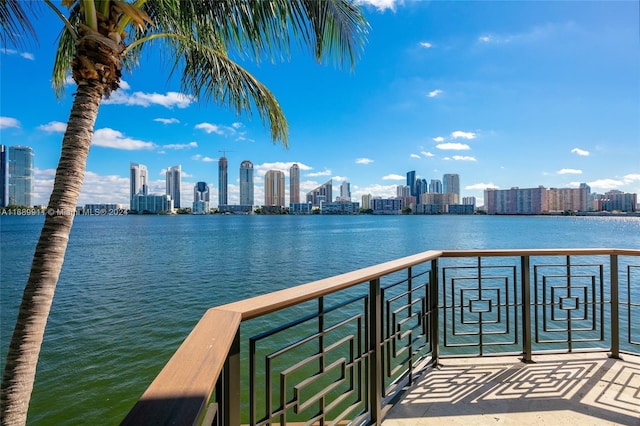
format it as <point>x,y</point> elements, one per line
<point>525,280</point>
<point>375,352</point>
<point>615,313</point>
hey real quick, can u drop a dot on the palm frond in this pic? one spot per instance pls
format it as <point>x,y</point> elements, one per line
<point>16,24</point>
<point>66,50</point>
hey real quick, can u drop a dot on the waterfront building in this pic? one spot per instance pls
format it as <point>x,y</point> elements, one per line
<point>442,201</point>
<point>201,197</point>
<point>387,206</point>
<point>451,184</point>
<point>460,209</point>
<point>235,208</point>
<point>173,181</point>
<point>20,176</point>
<point>403,191</point>
<point>568,199</point>
<point>300,208</point>
<point>516,200</point>
<point>222,181</point>
<point>367,200</point>
<point>469,201</point>
<point>322,194</point>
<point>435,186</point>
<point>151,203</point>
<point>4,195</point>
<point>618,201</point>
<point>340,207</point>
<point>138,181</point>
<point>345,192</point>
<point>246,183</point>
<point>274,188</point>
<point>294,184</point>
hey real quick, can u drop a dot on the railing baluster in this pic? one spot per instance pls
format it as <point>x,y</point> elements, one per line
<point>615,314</point>
<point>434,311</point>
<point>375,352</point>
<point>231,385</point>
<point>525,280</point>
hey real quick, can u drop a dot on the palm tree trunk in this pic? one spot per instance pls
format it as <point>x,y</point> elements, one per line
<point>20,368</point>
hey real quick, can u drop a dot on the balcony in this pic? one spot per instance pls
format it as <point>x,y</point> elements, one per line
<point>492,334</point>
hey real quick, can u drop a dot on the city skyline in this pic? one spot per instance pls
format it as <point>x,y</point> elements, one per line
<point>517,94</point>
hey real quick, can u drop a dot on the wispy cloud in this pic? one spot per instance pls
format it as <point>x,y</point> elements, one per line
<point>181,146</point>
<point>569,172</point>
<point>535,34</point>
<point>283,166</point>
<point>427,154</point>
<point>459,134</point>
<point>393,177</point>
<point>464,158</point>
<point>25,55</point>
<point>168,100</point>
<point>7,122</point>
<point>382,5</point>
<point>434,93</point>
<point>167,120</point>
<point>54,127</point>
<point>110,138</point>
<point>339,178</point>
<point>481,186</point>
<point>438,139</point>
<point>425,44</point>
<point>364,161</point>
<point>317,174</point>
<point>456,146</point>
<point>221,129</point>
<point>198,157</point>
<point>415,156</point>
<point>608,184</point>
<point>580,152</point>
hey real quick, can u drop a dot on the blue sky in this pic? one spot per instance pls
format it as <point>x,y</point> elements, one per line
<point>503,93</point>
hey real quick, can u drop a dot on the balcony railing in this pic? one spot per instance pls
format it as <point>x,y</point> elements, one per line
<point>342,349</point>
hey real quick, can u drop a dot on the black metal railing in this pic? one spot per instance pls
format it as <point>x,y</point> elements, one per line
<point>341,350</point>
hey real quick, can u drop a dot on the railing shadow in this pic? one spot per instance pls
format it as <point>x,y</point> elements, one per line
<point>587,384</point>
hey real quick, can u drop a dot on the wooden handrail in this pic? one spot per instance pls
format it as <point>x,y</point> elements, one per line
<point>179,394</point>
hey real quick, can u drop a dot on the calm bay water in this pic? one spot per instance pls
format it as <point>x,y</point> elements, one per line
<point>132,287</point>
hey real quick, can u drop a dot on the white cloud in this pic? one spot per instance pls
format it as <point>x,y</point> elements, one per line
<point>95,188</point>
<point>262,169</point>
<point>481,186</point>
<point>210,128</point>
<point>376,190</point>
<point>7,122</point>
<point>382,5</point>
<point>464,158</point>
<point>580,152</point>
<point>54,127</point>
<point>632,177</point>
<point>221,129</point>
<point>425,44</point>
<point>415,156</point>
<point>453,146</point>
<point>434,93</point>
<point>569,172</point>
<point>167,120</point>
<point>458,134</point>
<point>606,184</point>
<point>438,139</point>
<point>181,146</point>
<point>393,177</point>
<point>25,55</point>
<point>326,172</point>
<point>486,39</point>
<point>110,138</point>
<point>340,178</point>
<point>364,161</point>
<point>168,100</point>
<point>427,154</point>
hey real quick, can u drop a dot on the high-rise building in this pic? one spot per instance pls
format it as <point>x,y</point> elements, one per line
<point>274,188</point>
<point>367,200</point>
<point>173,178</point>
<point>345,191</point>
<point>411,181</point>
<point>435,186</point>
<point>246,183</point>
<point>20,176</point>
<point>403,191</point>
<point>451,184</point>
<point>294,184</point>
<point>516,200</point>
<point>4,195</point>
<point>469,201</point>
<point>200,198</point>
<point>322,194</point>
<point>138,183</point>
<point>222,182</point>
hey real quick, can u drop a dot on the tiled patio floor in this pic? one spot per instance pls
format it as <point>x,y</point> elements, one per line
<point>569,389</point>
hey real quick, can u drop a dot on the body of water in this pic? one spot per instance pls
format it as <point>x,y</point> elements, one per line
<point>132,287</point>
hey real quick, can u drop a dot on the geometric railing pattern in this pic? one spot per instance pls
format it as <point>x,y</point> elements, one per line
<point>341,349</point>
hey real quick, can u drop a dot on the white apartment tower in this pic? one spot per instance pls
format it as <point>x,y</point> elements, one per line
<point>138,182</point>
<point>173,179</point>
